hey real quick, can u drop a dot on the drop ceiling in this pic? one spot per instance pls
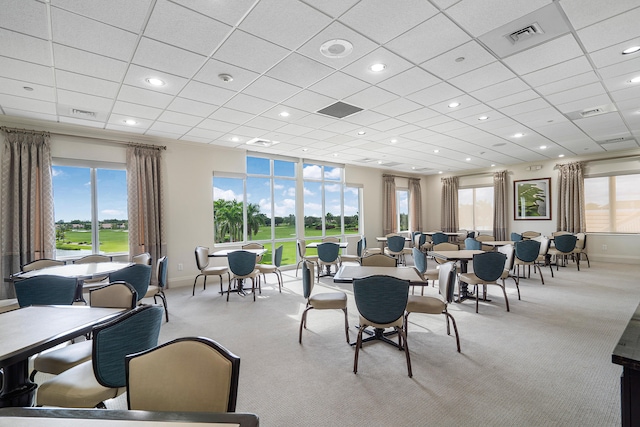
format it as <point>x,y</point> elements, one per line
<point>568,88</point>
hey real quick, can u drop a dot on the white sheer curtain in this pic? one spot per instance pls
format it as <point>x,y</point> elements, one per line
<point>28,229</point>
<point>449,212</point>
<point>146,201</point>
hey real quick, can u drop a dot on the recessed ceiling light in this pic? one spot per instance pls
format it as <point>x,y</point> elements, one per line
<point>635,80</point>
<point>560,155</point>
<point>632,49</point>
<point>153,81</point>
<point>413,168</point>
<point>436,151</point>
<point>336,48</point>
<point>130,122</point>
<point>499,144</point>
<point>284,114</point>
<point>493,164</point>
<point>468,159</point>
<point>454,105</point>
<point>543,147</point>
<point>380,162</point>
<point>305,149</point>
<point>335,154</point>
<point>27,88</point>
<point>361,132</point>
<point>225,77</point>
<point>235,139</point>
<point>439,171</point>
<point>377,67</point>
<point>518,135</point>
<point>483,117</point>
<point>393,141</point>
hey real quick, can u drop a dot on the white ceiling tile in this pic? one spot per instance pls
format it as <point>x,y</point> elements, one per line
<point>449,65</point>
<point>516,98</point>
<point>89,85</point>
<point>482,77</point>
<point>339,86</point>
<point>194,108</point>
<point>25,71</point>
<point>568,83</point>
<point>93,36</point>
<point>16,88</point>
<point>169,128</point>
<point>473,109</point>
<point>84,102</point>
<point>23,47</point>
<point>265,123</point>
<point>341,127</point>
<point>231,115</point>
<point>136,111</point>
<point>365,118</point>
<point>109,12</point>
<point>293,129</point>
<point>387,125</point>
<point>573,67</point>
<point>212,69</point>
<point>333,8</point>
<point>307,100</point>
<point>447,126</point>
<point>544,55</point>
<point>249,104</point>
<point>25,17</point>
<point>371,97</point>
<point>217,126</point>
<point>228,12</point>
<point>621,82</point>
<point>170,59</point>
<point>168,21</point>
<point>271,89</point>
<point>582,13</point>
<point>540,117</point>
<point>435,94</point>
<point>90,64</point>
<point>179,118</point>
<point>611,31</point>
<point>144,97</point>
<point>136,76</point>
<point>613,54</point>
<point>417,115</point>
<point>397,107</point>
<point>360,68</point>
<point>500,90</point>
<point>409,81</point>
<point>631,66</point>
<point>526,106</point>
<point>28,114</point>
<point>250,52</point>
<point>299,70</point>
<point>206,93</point>
<point>320,134</point>
<point>581,92</point>
<point>434,121</point>
<point>604,126</point>
<point>382,21</point>
<point>584,104</point>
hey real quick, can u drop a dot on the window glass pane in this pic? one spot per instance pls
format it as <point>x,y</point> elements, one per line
<point>310,171</point>
<point>283,168</point>
<point>112,210</point>
<point>627,204</point>
<point>351,210</point>
<point>332,206</point>
<point>484,209</point>
<point>465,209</point>
<point>597,207</point>
<point>72,204</point>
<point>228,209</point>
<point>402,197</point>
<point>258,166</point>
<point>284,193</point>
<point>312,209</point>
<point>332,174</point>
<point>258,208</point>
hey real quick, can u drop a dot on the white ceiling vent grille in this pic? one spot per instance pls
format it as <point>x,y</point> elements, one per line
<point>590,112</point>
<point>524,33</point>
<point>82,113</point>
<point>261,142</point>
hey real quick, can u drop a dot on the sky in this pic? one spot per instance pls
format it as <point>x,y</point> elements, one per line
<point>72,193</point>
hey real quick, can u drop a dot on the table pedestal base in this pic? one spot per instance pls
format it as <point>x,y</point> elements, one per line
<point>17,390</point>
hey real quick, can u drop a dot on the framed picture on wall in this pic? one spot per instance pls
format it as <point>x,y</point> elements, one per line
<point>532,199</point>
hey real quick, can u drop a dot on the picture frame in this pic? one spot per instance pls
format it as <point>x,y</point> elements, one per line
<point>532,199</point>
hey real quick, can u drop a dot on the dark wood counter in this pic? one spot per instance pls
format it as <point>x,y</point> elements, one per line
<point>627,354</point>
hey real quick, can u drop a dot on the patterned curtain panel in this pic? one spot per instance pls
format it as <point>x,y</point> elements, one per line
<point>449,220</point>
<point>146,201</point>
<point>500,220</point>
<point>415,204</point>
<point>389,205</point>
<point>571,215</point>
<point>28,229</point>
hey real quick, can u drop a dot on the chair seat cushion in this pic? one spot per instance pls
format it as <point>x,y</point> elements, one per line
<point>151,291</point>
<point>253,274</point>
<point>518,261</point>
<point>472,279</point>
<point>76,388</point>
<point>61,359</point>
<point>328,300</point>
<point>266,268</point>
<point>431,274</point>
<point>215,270</point>
<point>425,304</point>
<point>312,258</point>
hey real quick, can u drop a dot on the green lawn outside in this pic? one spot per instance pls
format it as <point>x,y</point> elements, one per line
<point>110,240</point>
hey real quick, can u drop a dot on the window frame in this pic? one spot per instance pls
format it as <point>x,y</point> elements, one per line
<point>612,202</point>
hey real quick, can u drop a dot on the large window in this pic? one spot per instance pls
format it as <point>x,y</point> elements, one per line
<point>612,204</point>
<point>90,204</point>
<point>402,209</point>
<point>475,209</point>
<point>323,199</point>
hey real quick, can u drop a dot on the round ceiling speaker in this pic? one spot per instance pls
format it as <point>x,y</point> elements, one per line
<point>336,48</point>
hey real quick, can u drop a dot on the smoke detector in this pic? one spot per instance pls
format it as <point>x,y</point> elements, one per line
<point>336,48</point>
<point>225,77</point>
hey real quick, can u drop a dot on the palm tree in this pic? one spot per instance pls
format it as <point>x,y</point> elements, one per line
<point>254,219</point>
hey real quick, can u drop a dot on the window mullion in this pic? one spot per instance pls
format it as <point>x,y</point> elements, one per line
<point>95,230</point>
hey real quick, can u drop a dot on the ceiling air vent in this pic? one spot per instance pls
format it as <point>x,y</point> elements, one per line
<point>261,142</point>
<point>339,110</point>
<point>592,112</point>
<point>610,141</point>
<point>524,33</point>
<point>82,113</point>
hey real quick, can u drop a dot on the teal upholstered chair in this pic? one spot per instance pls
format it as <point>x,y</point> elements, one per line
<point>328,255</point>
<point>381,302</point>
<point>45,290</point>
<point>157,291</point>
<point>395,248</point>
<point>137,275</point>
<point>516,237</point>
<point>526,253</point>
<point>487,269</point>
<point>243,266</point>
<point>565,244</point>
<point>273,268</point>
<point>89,384</point>
<point>420,264</point>
<point>439,238</point>
<point>472,244</point>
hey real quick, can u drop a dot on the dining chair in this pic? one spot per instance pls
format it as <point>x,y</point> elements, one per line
<point>137,275</point>
<point>439,237</point>
<point>485,238</point>
<point>508,251</point>
<point>436,304</point>
<point>581,247</point>
<point>273,268</point>
<point>332,239</point>
<point>395,247</point>
<point>564,246</point>
<point>143,258</point>
<point>379,260</point>
<point>302,254</point>
<point>358,255</point>
<point>190,374</point>
<point>381,302</point>
<point>254,245</point>
<point>420,264</point>
<point>90,259</point>
<point>543,257</point>
<point>321,301</point>
<point>157,291</point>
<point>45,290</point>
<point>530,234</point>
<point>472,244</point>
<point>487,269</point>
<point>112,295</point>
<point>366,250</point>
<point>328,255</point>
<point>202,262</point>
<point>243,266</point>
<point>445,246</point>
<point>41,263</point>
<point>526,253</point>
<point>89,384</point>
<point>516,237</point>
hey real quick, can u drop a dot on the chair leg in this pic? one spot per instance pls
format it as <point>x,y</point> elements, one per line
<point>455,328</point>
<point>539,272</point>
<point>587,256</point>
<point>253,287</point>
<point>303,323</point>
<point>506,300</point>
<point>406,349</point>
<point>477,297</point>
<point>194,285</point>
<point>346,325</point>
<point>358,345</point>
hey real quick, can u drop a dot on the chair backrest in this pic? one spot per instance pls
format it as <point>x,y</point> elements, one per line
<point>471,234</point>
<point>302,248</point>
<point>527,250</point>
<point>93,258</point>
<point>447,280</point>
<point>508,251</point>
<point>114,295</point>
<point>530,234</point>
<point>419,240</point>
<point>191,374</point>
<point>472,244</point>
<point>253,245</point>
<point>489,266</point>
<point>143,258</point>
<point>241,263</point>
<point>161,271</point>
<point>395,243</point>
<point>307,278</point>
<point>439,238</point>
<point>419,260</point>
<point>41,263</point>
<point>560,233</point>
<point>379,260</point>
<point>445,247</point>
<point>328,251</point>
<point>137,275</point>
<point>381,299</point>
<point>202,257</point>
<point>277,256</point>
<point>516,237</point>
<point>544,245</point>
<point>332,239</point>
<point>134,331</point>
<point>565,242</point>
<point>581,241</point>
<point>45,290</point>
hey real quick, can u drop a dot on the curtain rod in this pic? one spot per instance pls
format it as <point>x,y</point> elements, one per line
<point>113,141</point>
<point>628,156</point>
<point>17,130</point>
<point>399,176</point>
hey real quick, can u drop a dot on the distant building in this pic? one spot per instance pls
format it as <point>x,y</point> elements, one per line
<point>106,225</point>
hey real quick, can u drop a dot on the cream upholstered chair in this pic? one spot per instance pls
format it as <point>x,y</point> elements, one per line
<point>508,251</point>
<point>381,302</point>
<point>357,257</point>
<point>202,261</point>
<point>367,250</point>
<point>157,291</point>
<point>436,304</point>
<point>89,384</point>
<point>543,257</point>
<point>530,234</point>
<point>487,269</point>
<point>302,254</point>
<point>254,245</point>
<point>320,301</point>
<point>581,247</point>
<point>143,258</point>
<point>332,239</point>
<point>95,281</point>
<point>444,247</point>
<point>273,268</point>
<point>41,263</point>
<point>379,260</point>
<point>112,295</point>
<point>485,238</point>
<point>197,375</point>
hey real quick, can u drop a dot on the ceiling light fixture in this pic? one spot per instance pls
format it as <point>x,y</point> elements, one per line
<point>493,164</point>
<point>361,132</point>
<point>413,168</point>
<point>235,139</point>
<point>635,80</point>
<point>377,67</point>
<point>225,77</point>
<point>518,135</point>
<point>560,155</point>
<point>454,105</point>
<point>336,48</point>
<point>153,81</point>
<point>460,59</point>
<point>393,141</point>
<point>632,49</point>
<point>483,117</point>
<point>543,147</point>
<point>436,151</point>
<point>27,88</point>
<point>439,171</point>
<point>335,154</point>
<point>468,159</point>
<point>305,149</point>
<point>284,114</point>
<point>130,122</point>
<point>380,162</point>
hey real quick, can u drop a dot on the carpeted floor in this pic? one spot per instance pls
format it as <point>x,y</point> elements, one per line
<point>547,362</point>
